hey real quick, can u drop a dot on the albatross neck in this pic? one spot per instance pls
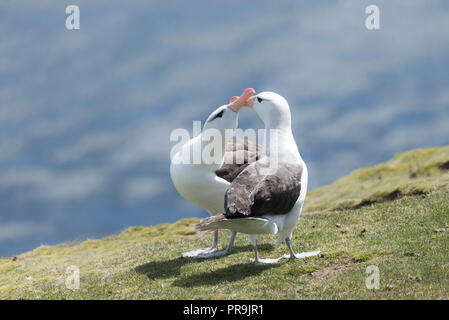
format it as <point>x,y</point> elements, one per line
<point>280,141</point>
<point>203,147</point>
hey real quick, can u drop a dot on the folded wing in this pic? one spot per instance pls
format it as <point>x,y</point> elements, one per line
<point>239,154</point>
<point>263,189</point>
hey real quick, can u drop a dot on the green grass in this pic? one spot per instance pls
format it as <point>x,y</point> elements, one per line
<point>420,171</point>
<point>394,215</point>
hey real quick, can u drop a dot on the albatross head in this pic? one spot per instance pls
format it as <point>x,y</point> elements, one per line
<point>226,116</point>
<point>272,109</point>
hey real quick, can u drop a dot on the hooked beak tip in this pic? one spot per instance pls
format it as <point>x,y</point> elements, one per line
<point>250,102</point>
<point>246,99</point>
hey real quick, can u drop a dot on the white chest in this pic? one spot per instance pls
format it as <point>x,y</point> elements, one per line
<point>199,185</point>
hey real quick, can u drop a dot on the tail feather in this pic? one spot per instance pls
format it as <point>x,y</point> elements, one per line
<point>249,225</point>
<point>209,224</point>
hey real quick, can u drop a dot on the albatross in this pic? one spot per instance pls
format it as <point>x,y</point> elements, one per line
<point>205,184</point>
<point>268,195</point>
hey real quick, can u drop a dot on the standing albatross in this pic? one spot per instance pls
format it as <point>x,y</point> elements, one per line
<point>268,195</point>
<point>205,183</point>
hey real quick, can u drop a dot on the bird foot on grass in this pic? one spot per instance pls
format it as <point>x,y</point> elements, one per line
<point>302,255</point>
<point>213,254</point>
<point>199,253</point>
<point>266,260</point>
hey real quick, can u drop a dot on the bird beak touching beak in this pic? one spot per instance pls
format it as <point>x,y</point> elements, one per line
<point>246,99</point>
<point>250,102</point>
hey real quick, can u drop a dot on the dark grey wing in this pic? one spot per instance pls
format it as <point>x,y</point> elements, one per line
<point>239,153</point>
<point>258,191</point>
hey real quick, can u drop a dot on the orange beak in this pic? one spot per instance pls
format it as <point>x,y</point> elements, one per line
<point>250,102</point>
<point>246,99</point>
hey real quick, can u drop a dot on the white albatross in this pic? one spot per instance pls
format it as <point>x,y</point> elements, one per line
<point>205,184</point>
<point>268,195</point>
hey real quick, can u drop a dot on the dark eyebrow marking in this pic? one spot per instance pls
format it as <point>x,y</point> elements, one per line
<point>218,115</point>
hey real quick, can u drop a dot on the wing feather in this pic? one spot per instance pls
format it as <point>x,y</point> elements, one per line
<point>261,190</point>
<point>239,154</point>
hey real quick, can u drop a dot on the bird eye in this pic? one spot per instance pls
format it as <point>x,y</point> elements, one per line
<point>259,99</point>
<point>218,115</point>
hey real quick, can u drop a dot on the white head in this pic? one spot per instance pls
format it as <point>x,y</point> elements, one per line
<point>226,116</point>
<point>221,119</point>
<point>272,108</point>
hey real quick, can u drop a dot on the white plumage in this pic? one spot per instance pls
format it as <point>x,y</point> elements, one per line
<point>280,148</point>
<point>198,182</point>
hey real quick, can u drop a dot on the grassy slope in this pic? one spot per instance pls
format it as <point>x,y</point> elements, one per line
<point>394,215</point>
